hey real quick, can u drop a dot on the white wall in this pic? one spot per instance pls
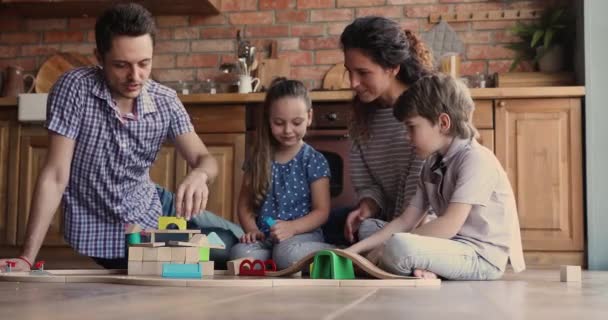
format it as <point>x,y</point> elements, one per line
<point>596,131</point>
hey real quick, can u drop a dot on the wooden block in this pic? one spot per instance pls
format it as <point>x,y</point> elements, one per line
<point>149,245</point>
<point>570,273</point>
<point>207,268</point>
<point>192,255</point>
<point>136,254</point>
<point>173,231</point>
<point>178,255</point>
<point>150,254</point>
<point>150,268</point>
<point>164,222</point>
<point>199,240</point>
<point>233,266</point>
<point>164,254</point>
<point>135,268</point>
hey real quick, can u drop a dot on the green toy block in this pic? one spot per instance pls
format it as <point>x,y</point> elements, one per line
<point>175,270</point>
<point>203,254</point>
<point>134,238</point>
<point>329,265</point>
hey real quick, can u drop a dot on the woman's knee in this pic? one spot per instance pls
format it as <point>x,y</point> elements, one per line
<point>369,227</point>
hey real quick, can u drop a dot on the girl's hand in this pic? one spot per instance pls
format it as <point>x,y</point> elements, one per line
<point>252,237</point>
<point>282,230</point>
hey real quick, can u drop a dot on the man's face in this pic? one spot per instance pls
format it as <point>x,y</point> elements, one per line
<point>127,65</point>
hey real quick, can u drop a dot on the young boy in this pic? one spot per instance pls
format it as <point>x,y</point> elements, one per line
<point>477,229</point>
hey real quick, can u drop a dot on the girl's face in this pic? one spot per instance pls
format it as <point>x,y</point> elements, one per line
<point>369,80</point>
<point>289,119</point>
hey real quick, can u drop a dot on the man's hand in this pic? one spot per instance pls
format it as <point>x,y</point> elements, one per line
<point>192,194</point>
<point>354,219</point>
<point>282,230</point>
<point>20,265</point>
<point>252,237</point>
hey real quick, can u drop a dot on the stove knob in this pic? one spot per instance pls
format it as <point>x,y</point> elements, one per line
<point>332,116</point>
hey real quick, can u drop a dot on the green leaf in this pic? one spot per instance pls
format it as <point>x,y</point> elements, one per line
<point>548,37</point>
<point>536,37</point>
<point>515,63</point>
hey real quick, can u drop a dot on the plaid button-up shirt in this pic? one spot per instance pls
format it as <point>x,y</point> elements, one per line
<point>110,183</point>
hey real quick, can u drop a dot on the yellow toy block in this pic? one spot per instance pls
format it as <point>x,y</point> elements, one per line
<point>164,222</point>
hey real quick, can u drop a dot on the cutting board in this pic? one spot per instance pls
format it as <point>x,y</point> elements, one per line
<point>272,67</point>
<point>336,78</point>
<point>55,66</point>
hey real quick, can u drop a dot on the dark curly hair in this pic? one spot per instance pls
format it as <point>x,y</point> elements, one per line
<point>128,19</point>
<point>387,45</point>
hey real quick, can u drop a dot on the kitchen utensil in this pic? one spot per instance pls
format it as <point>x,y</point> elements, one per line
<point>15,79</point>
<point>55,66</point>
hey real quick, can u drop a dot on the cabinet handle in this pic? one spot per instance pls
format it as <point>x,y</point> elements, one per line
<point>332,116</point>
<point>502,104</point>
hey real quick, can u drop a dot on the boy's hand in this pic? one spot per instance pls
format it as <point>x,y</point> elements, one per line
<point>252,237</point>
<point>192,194</point>
<point>282,230</point>
<point>20,265</point>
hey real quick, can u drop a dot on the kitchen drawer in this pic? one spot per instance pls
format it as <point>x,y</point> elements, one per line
<point>218,119</point>
<point>483,117</point>
<point>331,115</point>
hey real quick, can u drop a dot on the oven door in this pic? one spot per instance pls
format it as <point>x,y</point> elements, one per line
<point>335,146</point>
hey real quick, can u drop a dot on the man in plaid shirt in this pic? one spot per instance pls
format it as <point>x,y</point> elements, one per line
<point>106,125</point>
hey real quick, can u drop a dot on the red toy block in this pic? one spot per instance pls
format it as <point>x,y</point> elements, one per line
<point>248,267</point>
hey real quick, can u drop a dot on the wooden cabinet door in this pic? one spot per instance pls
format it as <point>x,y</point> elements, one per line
<point>32,154</point>
<point>163,169</point>
<point>486,138</point>
<point>4,187</point>
<point>538,142</point>
<point>229,151</point>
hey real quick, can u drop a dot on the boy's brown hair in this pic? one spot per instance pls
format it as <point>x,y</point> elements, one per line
<point>435,94</point>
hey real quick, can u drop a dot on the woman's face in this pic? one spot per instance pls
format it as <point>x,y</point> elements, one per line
<point>369,80</point>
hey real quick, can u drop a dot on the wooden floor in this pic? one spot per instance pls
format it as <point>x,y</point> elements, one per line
<point>535,294</point>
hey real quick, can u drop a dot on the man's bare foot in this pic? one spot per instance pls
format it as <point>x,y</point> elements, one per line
<point>424,274</point>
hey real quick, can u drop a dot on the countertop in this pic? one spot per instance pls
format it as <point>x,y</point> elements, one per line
<point>345,95</point>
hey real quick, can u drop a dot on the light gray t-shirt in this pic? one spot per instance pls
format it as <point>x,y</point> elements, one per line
<point>470,173</point>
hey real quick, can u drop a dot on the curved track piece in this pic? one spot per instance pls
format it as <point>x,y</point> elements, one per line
<point>360,261</point>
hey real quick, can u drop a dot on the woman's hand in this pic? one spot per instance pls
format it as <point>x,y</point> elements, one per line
<point>282,230</point>
<point>354,220</point>
<point>252,237</point>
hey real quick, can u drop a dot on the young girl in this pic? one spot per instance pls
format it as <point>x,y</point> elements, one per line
<point>285,194</point>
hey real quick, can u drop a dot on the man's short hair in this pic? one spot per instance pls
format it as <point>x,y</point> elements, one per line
<point>129,19</point>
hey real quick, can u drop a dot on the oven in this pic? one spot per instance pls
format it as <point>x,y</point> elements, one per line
<point>328,134</point>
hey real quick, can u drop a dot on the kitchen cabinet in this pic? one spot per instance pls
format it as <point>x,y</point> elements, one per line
<point>88,8</point>
<point>539,143</point>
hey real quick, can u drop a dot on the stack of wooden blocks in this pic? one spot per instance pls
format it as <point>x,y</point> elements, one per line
<point>173,253</point>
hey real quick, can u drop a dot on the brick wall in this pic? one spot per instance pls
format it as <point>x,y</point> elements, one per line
<point>190,48</point>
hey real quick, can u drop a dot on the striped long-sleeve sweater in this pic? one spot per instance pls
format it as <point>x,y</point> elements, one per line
<point>385,167</point>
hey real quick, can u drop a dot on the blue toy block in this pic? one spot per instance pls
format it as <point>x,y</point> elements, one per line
<point>178,270</point>
<point>269,221</point>
<point>215,240</point>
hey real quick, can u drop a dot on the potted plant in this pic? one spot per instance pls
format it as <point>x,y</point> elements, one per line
<point>544,41</point>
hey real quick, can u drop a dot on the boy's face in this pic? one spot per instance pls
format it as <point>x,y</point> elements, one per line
<point>127,65</point>
<point>428,138</point>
